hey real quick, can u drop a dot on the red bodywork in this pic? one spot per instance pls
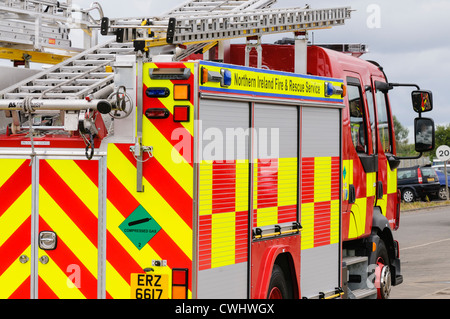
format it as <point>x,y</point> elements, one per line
<point>329,63</point>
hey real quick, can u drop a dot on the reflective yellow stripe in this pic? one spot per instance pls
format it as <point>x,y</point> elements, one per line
<point>361,203</point>
<point>322,179</point>
<point>382,203</point>
<point>242,185</point>
<point>334,221</point>
<point>8,166</point>
<point>68,231</point>
<point>307,222</point>
<point>371,179</point>
<point>347,174</point>
<point>267,216</point>
<point>78,182</point>
<point>391,180</point>
<point>58,281</point>
<point>15,215</point>
<point>14,276</point>
<point>116,286</point>
<point>151,200</point>
<point>353,225</point>
<point>223,239</point>
<point>167,156</point>
<point>205,188</point>
<point>287,181</point>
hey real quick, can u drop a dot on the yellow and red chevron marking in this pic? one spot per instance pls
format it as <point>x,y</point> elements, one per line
<point>15,228</point>
<point>68,205</point>
<point>275,191</point>
<point>223,213</point>
<point>320,201</point>
<point>165,200</point>
<point>167,197</point>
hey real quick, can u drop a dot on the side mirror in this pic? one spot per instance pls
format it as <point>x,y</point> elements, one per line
<point>422,101</point>
<point>424,134</point>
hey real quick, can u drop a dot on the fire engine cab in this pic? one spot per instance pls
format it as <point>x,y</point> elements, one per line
<point>134,169</point>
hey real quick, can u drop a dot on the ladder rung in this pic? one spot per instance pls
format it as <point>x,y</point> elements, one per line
<point>90,62</point>
<point>194,6</point>
<point>50,82</point>
<point>96,75</point>
<point>100,56</point>
<point>77,68</point>
<point>115,50</point>
<point>61,88</point>
<point>121,45</point>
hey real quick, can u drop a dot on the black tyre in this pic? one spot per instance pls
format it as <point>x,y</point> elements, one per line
<point>383,278</point>
<point>442,194</point>
<point>278,287</point>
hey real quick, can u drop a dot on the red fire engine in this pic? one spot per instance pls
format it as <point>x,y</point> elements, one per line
<point>132,170</point>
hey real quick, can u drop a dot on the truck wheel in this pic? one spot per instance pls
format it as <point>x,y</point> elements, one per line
<point>408,195</point>
<point>278,288</point>
<point>383,280</point>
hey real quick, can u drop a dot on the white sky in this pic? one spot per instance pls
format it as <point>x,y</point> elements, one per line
<point>410,39</point>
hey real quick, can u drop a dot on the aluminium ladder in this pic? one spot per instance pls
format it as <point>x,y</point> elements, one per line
<point>35,25</point>
<point>68,84</point>
<point>74,78</point>
<point>186,30</point>
<point>84,74</point>
<point>190,8</point>
<point>204,27</point>
<point>196,7</point>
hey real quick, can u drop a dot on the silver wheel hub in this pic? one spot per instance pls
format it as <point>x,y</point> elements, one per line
<point>385,282</point>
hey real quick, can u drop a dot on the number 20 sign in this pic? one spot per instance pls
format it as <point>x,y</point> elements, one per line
<point>443,153</point>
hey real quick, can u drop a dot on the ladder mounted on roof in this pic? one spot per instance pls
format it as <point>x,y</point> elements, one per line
<point>192,25</point>
<point>195,7</point>
<point>28,28</point>
<point>70,89</point>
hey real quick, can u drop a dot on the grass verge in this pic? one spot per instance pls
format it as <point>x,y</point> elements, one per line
<point>423,204</point>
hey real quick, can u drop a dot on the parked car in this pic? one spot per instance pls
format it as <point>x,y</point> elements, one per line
<point>441,168</point>
<point>417,182</point>
<point>441,176</point>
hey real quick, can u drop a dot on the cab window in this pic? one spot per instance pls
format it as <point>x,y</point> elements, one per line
<point>373,128</point>
<point>384,128</point>
<point>357,116</point>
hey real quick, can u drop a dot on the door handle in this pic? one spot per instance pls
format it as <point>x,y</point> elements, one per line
<point>47,240</point>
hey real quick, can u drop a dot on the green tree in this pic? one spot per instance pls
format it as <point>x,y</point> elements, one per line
<point>442,137</point>
<point>401,138</point>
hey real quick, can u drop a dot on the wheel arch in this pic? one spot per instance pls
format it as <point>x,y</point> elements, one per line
<point>282,256</point>
<point>381,230</point>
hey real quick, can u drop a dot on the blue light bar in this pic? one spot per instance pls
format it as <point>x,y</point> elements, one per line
<point>226,77</point>
<point>157,92</point>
